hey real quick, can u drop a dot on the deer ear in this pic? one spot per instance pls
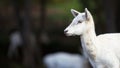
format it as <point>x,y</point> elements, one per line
<point>87,14</point>
<point>74,12</point>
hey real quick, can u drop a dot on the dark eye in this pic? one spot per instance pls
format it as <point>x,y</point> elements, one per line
<point>79,22</point>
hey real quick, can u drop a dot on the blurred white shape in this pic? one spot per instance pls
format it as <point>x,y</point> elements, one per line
<point>65,60</point>
<point>15,42</point>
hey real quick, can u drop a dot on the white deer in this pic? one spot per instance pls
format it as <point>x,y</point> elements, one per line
<point>103,51</point>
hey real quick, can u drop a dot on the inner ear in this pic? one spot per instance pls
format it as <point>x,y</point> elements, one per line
<point>87,14</point>
<point>74,12</point>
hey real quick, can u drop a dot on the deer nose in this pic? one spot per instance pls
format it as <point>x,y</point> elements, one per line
<point>65,31</point>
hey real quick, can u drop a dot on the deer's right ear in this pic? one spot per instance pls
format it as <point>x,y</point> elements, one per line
<point>74,12</point>
<point>87,14</point>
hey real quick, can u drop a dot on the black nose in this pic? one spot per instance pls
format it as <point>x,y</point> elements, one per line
<point>65,31</point>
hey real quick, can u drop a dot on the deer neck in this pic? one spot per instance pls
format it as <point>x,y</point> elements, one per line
<point>88,40</point>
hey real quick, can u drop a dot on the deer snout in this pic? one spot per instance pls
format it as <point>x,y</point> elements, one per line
<point>65,31</point>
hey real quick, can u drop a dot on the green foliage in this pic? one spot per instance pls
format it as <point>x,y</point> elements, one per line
<point>63,7</point>
<point>56,1</point>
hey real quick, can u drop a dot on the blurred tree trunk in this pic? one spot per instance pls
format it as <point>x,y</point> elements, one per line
<point>43,12</point>
<point>28,60</point>
<point>42,21</point>
<point>110,11</point>
<point>28,48</point>
<point>17,19</point>
<point>16,8</point>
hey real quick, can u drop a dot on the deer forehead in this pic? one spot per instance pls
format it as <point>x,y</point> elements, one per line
<point>80,17</point>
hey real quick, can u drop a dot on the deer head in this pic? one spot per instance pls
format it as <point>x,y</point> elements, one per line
<point>79,24</point>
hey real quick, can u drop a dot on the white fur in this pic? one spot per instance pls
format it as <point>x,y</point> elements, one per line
<point>65,60</point>
<point>103,51</point>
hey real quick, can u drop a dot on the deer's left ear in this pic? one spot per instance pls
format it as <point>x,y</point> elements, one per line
<point>87,14</point>
<point>74,12</point>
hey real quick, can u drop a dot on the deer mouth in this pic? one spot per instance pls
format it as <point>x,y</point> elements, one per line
<point>68,34</point>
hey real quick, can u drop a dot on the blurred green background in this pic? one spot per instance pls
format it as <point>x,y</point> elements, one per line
<point>47,19</point>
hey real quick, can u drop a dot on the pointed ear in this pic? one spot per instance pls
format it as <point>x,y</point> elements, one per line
<point>74,12</point>
<point>87,14</point>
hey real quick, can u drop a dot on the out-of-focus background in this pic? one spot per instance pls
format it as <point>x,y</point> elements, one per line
<point>31,29</point>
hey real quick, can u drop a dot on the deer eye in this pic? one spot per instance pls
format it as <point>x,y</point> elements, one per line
<point>79,22</point>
